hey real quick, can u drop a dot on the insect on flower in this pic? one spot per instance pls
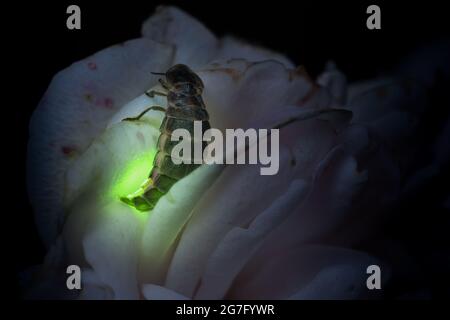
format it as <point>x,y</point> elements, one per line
<point>184,106</point>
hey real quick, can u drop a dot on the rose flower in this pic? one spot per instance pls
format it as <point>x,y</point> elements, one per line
<point>224,231</point>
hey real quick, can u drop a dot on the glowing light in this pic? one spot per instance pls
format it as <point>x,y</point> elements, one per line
<point>134,175</point>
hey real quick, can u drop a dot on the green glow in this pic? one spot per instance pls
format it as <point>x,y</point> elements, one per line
<point>147,182</point>
<point>134,175</point>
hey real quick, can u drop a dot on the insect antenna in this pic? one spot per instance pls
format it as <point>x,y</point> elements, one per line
<point>158,73</point>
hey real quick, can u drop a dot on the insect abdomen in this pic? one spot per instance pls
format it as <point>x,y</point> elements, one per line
<point>181,113</point>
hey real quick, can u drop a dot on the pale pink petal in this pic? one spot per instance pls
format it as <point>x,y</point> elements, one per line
<point>237,246</point>
<point>335,81</point>
<point>167,220</point>
<point>75,109</point>
<point>240,94</point>
<point>111,248</point>
<point>379,98</point>
<point>48,281</point>
<point>155,292</point>
<point>337,182</point>
<point>195,45</point>
<point>101,232</point>
<point>92,288</point>
<point>192,42</point>
<point>232,48</point>
<point>218,212</point>
<point>356,89</point>
<point>307,272</point>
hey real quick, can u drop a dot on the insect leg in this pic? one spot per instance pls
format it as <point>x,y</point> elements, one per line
<point>138,202</point>
<point>158,108</point>
<point>152,93</point>
<point>164,84</point>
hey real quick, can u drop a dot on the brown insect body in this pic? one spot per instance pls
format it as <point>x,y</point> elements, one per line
<point>184,106</point>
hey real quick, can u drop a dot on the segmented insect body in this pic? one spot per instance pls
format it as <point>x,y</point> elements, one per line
<point>184,106</point>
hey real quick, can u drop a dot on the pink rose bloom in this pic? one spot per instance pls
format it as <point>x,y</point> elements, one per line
<point>223,232</point>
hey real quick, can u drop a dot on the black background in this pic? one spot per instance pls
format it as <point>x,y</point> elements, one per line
<point>309,32</point>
